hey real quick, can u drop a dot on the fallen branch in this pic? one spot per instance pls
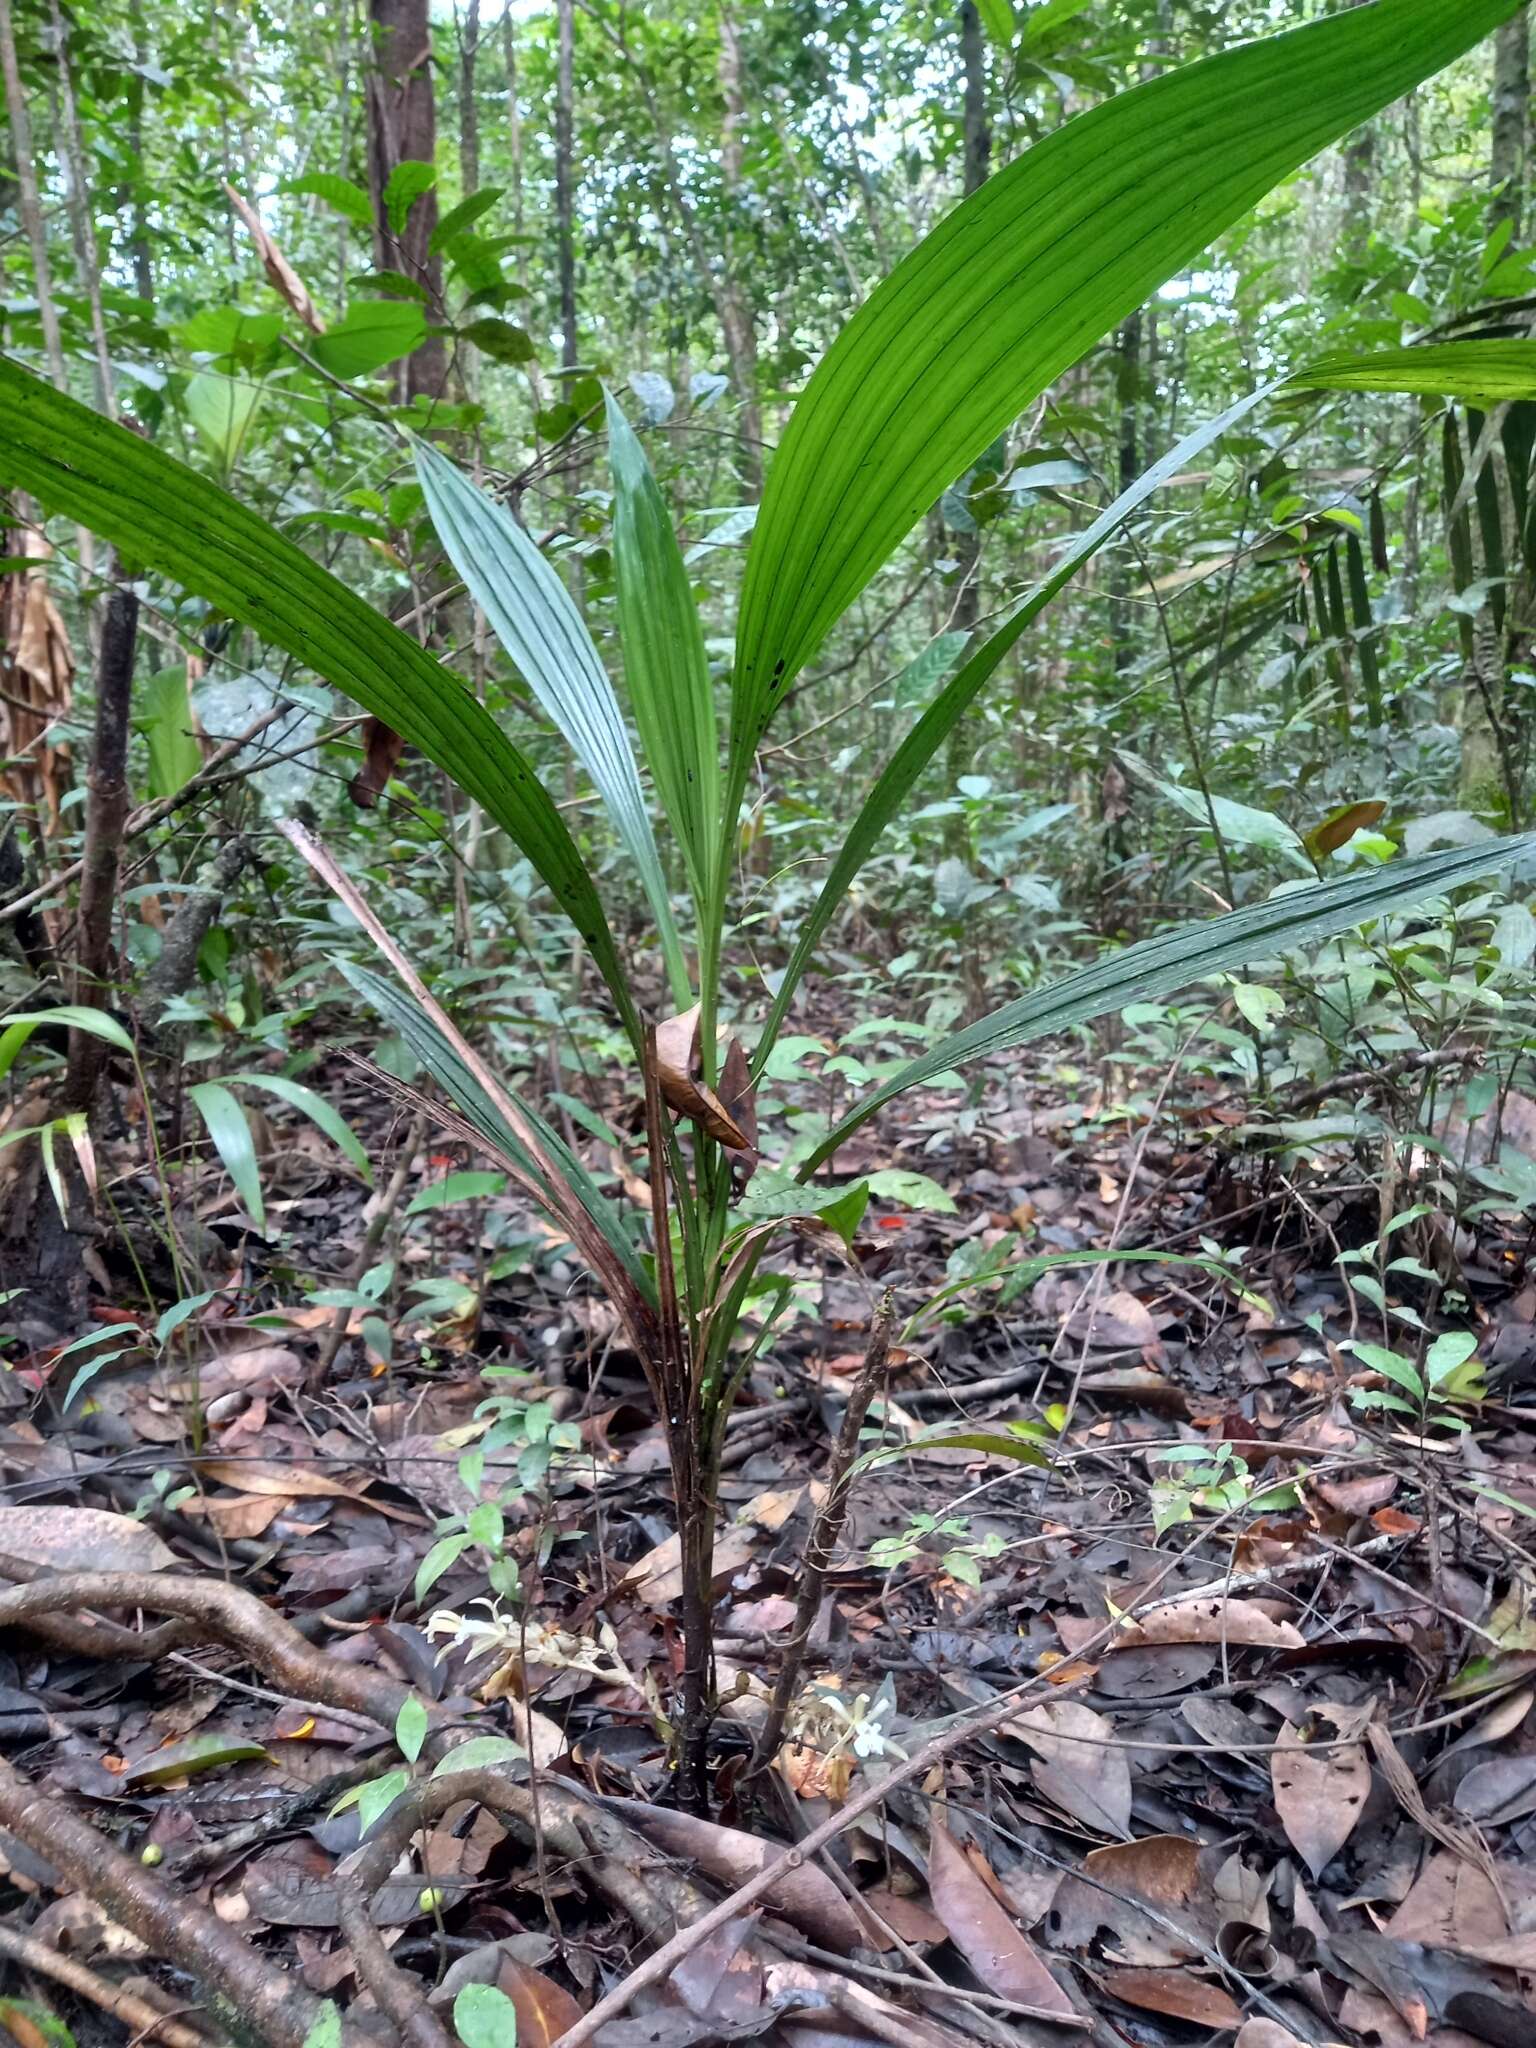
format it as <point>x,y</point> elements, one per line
<point>135,2012</point>
<point>251,1997</point>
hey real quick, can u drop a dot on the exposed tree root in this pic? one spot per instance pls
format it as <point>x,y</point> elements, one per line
<point>136,2013</point>
<point>254,1999</point>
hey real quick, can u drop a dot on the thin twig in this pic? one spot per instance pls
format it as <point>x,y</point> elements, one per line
<point>827,1529</point>
<point>135,2012</point>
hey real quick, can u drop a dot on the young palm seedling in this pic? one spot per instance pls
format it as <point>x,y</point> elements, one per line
<point>1001,298</point>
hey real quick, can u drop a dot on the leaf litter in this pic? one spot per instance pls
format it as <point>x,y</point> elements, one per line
<point>1273,1776</point>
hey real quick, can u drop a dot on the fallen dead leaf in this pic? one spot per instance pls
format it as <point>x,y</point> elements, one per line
<point>1320,1792</point>
<point>1076,1765</point>
<point>82,1540</point>
<point>1241,1624</point>
<point>1000,1953</point>
<point>1177,1993</point>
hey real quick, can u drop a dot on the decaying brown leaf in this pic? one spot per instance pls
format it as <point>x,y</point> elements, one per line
<point>1241,1624</point>
<point>69,1539</point>
<point>281,275</point>
<point>679,1072</point>
<point>1178,1993</point>
<point>1003,1957</point>
<point>1076,1765</point>
<point>37,668</point>
<point>1320,1792</point>
<point>382,748</point>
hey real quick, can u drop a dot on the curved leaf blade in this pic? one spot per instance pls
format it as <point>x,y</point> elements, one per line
<point>229,1127</point>
<point>165,515</point>
<point>1159,966</point>
<point>535,618</point>
<point>1011,288</point>
<point>665,663</point>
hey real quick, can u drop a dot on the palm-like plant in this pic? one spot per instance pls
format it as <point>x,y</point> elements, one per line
<point>1002,297</point>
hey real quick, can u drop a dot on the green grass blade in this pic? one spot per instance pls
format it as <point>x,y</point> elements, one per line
<point>535,618</point>
<point>166,516</point>
<point>1014,285</point>
<point>230,1129</point>
<point>322,1114</point>
<point>1158,967</point>
<point>664,660</point>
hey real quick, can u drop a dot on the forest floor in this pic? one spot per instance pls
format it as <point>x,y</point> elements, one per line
<point>1231,1764</point>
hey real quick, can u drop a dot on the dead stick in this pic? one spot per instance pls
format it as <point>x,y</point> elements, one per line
<point>134,2012</point>
<point>149,815</point>
<point>373,1237</point>
<point>826,1529</point>
<point>251,1995</point>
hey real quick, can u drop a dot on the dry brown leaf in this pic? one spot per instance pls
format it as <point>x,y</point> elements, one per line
<point>545,2010</point>
<point>1320,1792</point>
<point>807,1898</point>
<point>281,275</point>
<point>1161,1868</point>
<point>1266,2034</point>
<point>1175,1992</point>
<point>81,1540</point>
<point>240,1515</point>
<point>1241,1624</point>
<point>382,748</point>
<point>678,1071</point>
<point>1076,1766</point>
<point>1000,1953</point>
<point>260,1475</point>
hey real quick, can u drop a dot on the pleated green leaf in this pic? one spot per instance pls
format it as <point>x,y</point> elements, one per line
<point>1159,966</point>
<point>167,517</point>
<point>1447,369</point>
<point>1014,285</point>
<point>1490,370</point>
<point>535,618</point>
<point>664,660</point>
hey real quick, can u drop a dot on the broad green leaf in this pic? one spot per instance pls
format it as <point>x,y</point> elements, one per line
<point>443,1555</point>
<point>1018,282</point>
<point>411,1728</point>
<point>339,192</point>
<point>21,1024</point>
<point>479,1753</point>
<point>320,1113</point>
<point>229,1128</point>
<point>463,216</point>
<point>166,723</point>
<point>902,771</point>
<point>664,660</point>
<point>456,1187</point>
<point>1159,966</point>
<point>326,2031</point>
<point>375,332</point>
<point>164,515</point>
<point>407,182</point>
<point>208,1752</point>
<point>1391,1365</point>
<point>1490,370</point>
<point>1020,1441</point>
<point>1000,22</point>
<point>912,1190</point>
<point>484,2017</point>
<point>535,618</point>
<point>221,408</point>
<point>1449,1352</point>
<point>1238,824</point>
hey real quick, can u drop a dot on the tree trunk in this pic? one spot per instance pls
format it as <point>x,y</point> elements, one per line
<point>733,301</point>
<point>1511,103</point>
<point>402,128</point>
<point>565,197</point>
<point>24,170</point>
<point>966,547</point>
<point>106,811</point>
